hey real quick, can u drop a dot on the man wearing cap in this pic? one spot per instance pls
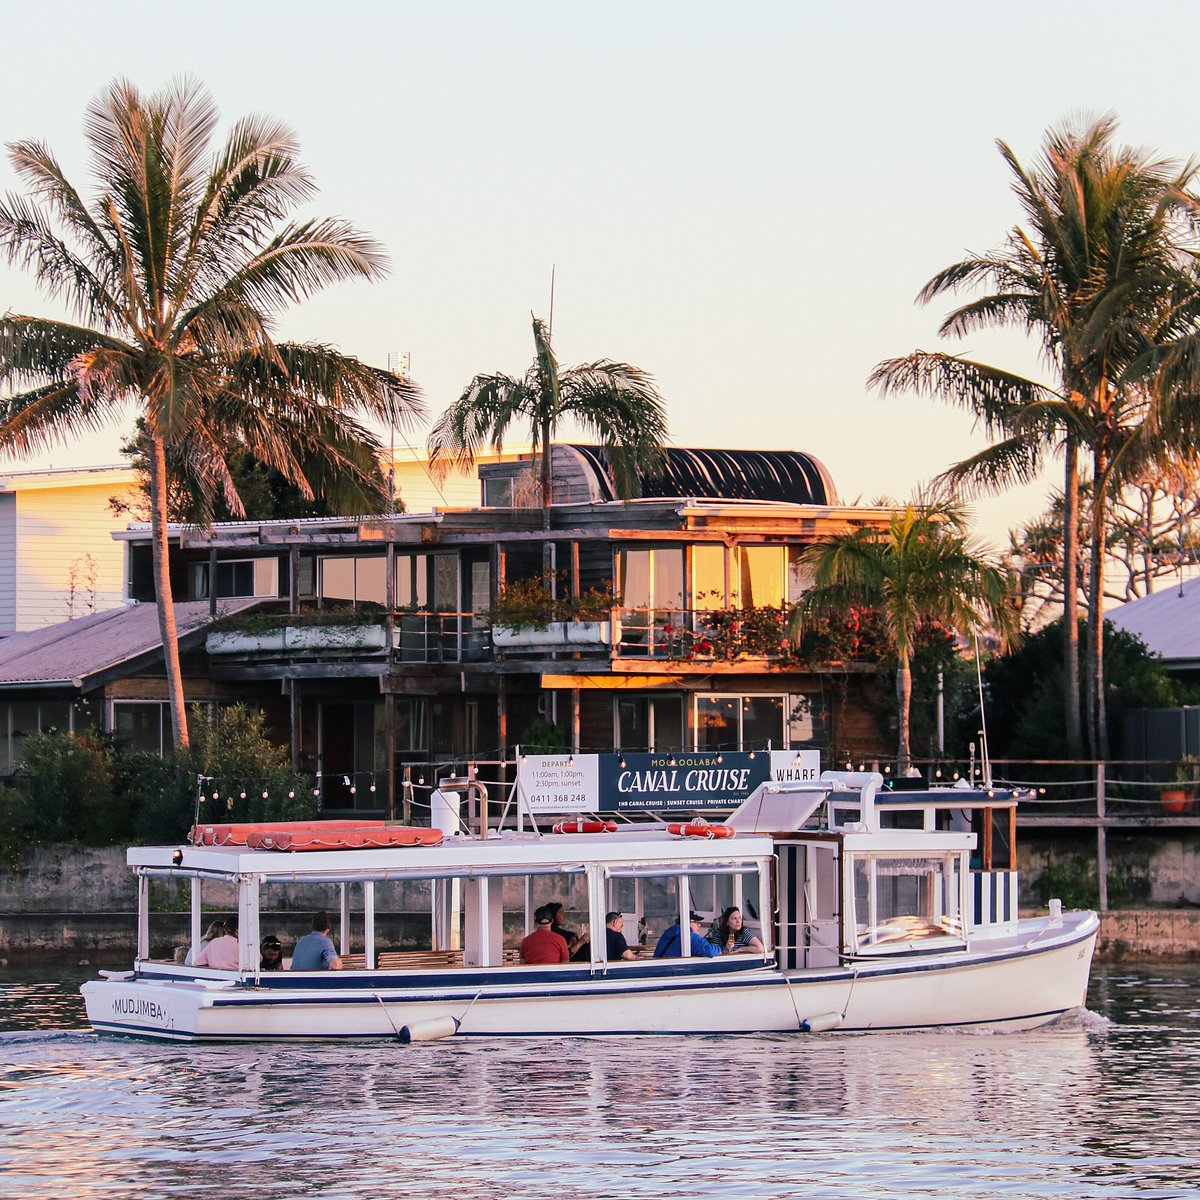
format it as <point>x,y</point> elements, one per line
<point>669,945</point>
<point>543,945</point>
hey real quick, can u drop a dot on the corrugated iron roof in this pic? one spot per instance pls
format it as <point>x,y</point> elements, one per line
<point>71,650</point>
<point>1167,621</point>
<point>786,476</point>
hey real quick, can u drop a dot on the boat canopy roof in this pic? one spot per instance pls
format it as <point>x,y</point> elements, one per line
<point>634,850</point>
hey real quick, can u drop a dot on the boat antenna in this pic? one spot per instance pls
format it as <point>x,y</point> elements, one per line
<point>550,323</point>
<point>985,760</point>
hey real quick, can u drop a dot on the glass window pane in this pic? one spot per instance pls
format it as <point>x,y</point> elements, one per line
<point>306,577</point>
<point>761,576</point>
<point>668,578</point>
<point>370,580</point>
<point>55,714</point>
<point>717,722</point>
<point>762,722</point>
<point>633,574</point>
<point>806,721</point>
<point>481,583</point>
<point>445,583</point>
<point>667,728</point>
<point>337,579</point>
<point>139,726</point>
<point>24,722</point>
<point>800,577</point>
<point>708,577</point>
<point>632,718</point>
<point>266,577</point>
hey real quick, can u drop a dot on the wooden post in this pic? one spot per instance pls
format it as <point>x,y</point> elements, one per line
<point>1101,839</point>
<point>389,701</point>
<point>293,686</point>
<point>988,817</point>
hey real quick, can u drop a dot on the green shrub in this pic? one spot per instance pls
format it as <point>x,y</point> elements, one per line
<point>251,775</point>
<point>69,778</point>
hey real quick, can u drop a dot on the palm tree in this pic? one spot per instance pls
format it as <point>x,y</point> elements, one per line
<point>1103,281</point>
<point>613,401</point>
<point>921,568</point>
<point>173,273</point>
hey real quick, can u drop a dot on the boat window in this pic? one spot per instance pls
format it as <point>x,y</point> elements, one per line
<point>904,899</point>
<point>649,896</point>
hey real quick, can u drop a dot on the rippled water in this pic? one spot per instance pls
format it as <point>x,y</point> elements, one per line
<point>1107,1105</point>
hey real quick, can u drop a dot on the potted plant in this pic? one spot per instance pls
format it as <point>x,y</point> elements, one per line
<point>528,615</point>
<point>1178,797</point>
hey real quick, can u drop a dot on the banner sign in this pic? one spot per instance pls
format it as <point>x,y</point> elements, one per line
<point>689,779</point>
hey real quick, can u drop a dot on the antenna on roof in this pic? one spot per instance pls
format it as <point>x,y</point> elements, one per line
<point>399,363</point>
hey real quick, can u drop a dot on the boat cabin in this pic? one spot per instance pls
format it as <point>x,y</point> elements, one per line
<point>826,873</point>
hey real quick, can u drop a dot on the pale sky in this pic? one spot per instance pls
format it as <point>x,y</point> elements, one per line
<point>742,199</point>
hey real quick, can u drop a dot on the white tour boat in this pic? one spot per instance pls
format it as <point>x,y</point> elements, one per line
<point>876,910</point>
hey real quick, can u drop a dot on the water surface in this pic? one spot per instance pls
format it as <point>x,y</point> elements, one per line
<point>1103,1105</point>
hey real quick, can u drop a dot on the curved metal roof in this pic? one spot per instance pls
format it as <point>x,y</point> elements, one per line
<point>785,476</point>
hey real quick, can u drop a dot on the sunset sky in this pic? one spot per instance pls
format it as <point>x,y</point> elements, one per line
<point>743,199</point>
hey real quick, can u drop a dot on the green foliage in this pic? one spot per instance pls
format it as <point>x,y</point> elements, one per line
<point>232,750</point>
<point>69,780</point>
<point>84,789</point>
<point>1023,690</point>
<point>1075,883</point>
<point>256,622</point>
<point>543,737</point>
<point>531,603</point>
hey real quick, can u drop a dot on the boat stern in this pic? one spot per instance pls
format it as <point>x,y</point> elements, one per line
<point>123,1004</point>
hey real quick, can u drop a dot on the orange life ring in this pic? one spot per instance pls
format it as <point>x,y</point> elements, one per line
<point>581,826</point>
<point>700,829</point>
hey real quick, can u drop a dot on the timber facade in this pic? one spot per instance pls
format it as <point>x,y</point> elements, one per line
<point>377,647</point>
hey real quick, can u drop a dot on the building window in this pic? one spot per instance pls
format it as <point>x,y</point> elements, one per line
<point>727,722</point>
<point>356,579</point>
<point>651,579</point>
<point>497,493</point>
<point>238,577</point>
<point>760,579</point>
<point>647,723</point>
<point>429,582</point>
<point>807,716</point>
<point>20,718</point>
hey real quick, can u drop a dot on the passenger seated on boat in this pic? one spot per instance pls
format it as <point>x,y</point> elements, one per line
<point>214,931</point>
<point>221,952</point>
<point>729,932</point>
<point>574,940</point>
<point>543,945</point>
<point>315,951</point>
<point>616,947</point>
<point>272,954</point>
<point>670,944</point>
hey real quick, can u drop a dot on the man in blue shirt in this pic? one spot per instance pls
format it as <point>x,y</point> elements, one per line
<point>314,951</point>
<point>669,945</point>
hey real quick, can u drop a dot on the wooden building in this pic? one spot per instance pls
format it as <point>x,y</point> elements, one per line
<point>367,641</point>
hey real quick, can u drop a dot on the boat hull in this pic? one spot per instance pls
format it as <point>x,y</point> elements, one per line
<point>1018,985</point>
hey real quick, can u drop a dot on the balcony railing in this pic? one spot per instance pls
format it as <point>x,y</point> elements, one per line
<point>706,635</point>
<point>437,637</point>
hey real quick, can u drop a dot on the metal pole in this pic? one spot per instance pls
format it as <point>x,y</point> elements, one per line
<point>1101,839</point>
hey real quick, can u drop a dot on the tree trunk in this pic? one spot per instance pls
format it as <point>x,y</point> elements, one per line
<point>904,707</point>
<point>162,589</point>
<point>1097,715</point>
<point>1071,600</point>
